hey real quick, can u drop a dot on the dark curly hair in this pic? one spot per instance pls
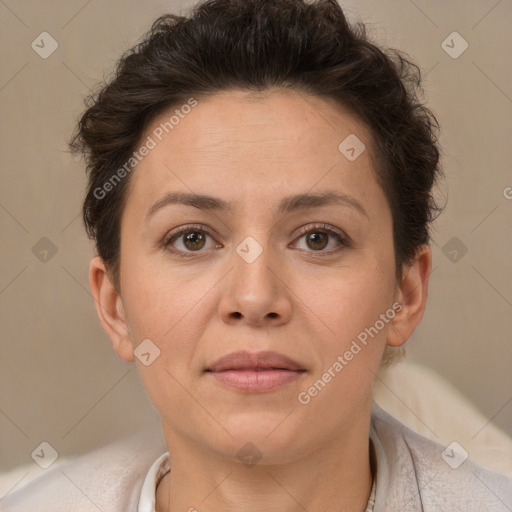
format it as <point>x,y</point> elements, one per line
<point>253,45</point>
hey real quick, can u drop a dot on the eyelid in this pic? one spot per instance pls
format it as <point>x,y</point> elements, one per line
<point>183,229</point>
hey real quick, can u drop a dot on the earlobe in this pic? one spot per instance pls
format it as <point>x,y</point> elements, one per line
<point>412,293</point>
<point>110,309</point>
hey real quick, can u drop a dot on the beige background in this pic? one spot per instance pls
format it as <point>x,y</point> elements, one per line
<point>60,381</point>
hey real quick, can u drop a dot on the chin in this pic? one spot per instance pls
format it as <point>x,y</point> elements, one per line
<point>272,434</point>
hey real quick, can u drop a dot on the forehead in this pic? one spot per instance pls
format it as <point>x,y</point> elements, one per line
<point>238,143</point>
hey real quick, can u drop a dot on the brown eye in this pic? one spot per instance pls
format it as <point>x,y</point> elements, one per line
<point>321,238</point>
<point>189,240</point>
<point>317,240</point>
<point>194,240</point>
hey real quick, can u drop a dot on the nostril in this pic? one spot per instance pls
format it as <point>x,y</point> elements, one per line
<point>237,314</point>
<point>272,315</point>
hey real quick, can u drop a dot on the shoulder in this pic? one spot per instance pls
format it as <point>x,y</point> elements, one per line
<point>109,478</point>
<point>416,473</point>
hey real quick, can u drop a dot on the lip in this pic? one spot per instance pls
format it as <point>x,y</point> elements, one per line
<point>257,361</point>
<point>255,372</point>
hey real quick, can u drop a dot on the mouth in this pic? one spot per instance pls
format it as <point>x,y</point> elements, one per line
<point>255,372</point>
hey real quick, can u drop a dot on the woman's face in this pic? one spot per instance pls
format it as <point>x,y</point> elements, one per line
<point>292,253</point>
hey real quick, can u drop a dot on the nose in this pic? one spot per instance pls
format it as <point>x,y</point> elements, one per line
<point>256,293</point>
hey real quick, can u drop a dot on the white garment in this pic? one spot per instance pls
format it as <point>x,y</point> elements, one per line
<point>413,474</point>
<point>160,467</point>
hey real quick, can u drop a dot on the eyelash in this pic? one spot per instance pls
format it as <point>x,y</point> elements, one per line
<point>316,228</point>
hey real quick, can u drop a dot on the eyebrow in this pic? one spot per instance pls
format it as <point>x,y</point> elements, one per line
<point>288,204</point>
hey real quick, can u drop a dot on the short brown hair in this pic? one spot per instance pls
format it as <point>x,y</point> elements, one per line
<point>254,45</point>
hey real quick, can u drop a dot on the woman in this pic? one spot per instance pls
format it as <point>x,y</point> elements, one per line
<point>260,196</point>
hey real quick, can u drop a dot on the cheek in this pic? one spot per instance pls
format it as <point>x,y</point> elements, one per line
<point>353,300</point>
<point>160,298</point>
<point>350,340</point>
<point>170,319</point>
<point>172,309</point>
<point>351,334</point>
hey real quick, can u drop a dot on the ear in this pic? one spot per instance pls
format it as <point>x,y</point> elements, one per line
<point>110,309</point>
<point>412,293</point>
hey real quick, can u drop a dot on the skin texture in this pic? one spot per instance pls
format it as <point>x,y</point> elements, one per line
<point>301,298</point>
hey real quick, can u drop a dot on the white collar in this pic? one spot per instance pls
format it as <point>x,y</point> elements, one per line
<point>158,469</point>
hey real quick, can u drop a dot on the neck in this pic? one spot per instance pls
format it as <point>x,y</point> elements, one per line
<point>334,476</point>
